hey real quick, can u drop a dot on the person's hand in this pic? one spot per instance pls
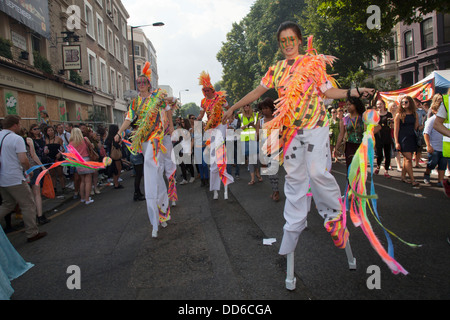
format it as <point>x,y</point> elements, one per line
<point>227,116</point>
<point>366,92</point>
<point>397,146</point>
<point>117,138</point>
<point>430,149</point>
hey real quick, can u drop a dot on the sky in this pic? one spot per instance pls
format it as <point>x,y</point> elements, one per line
<point>189,41</point>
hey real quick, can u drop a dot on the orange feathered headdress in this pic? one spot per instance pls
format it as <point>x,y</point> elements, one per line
<point>205,80</point>
<point>147,71</point>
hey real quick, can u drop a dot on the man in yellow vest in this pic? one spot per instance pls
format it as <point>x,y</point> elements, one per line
<point>442,125</point>
<point>248,120</point>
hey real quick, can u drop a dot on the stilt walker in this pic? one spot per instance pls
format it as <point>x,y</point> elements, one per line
<point>146,112</point>
<point>213,105</point>
<point>301,122</point>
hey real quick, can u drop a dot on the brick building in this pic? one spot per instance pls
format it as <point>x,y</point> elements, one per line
<point>34,75</point>
<point>420,49</point>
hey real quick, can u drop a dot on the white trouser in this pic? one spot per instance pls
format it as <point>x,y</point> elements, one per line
<point>306,163</point>
<point>216,141</point>
<point>155,187</point>
<point>168,160</point>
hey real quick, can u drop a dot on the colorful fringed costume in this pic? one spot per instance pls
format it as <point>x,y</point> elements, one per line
<point>214,112</point>
<point>71,159</point>
<point>147,112</point>
<point>168,158</point>
<point>358,198</point>
<point>301,122</point>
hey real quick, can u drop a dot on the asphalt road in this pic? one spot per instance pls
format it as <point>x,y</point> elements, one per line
<point>213,249</point>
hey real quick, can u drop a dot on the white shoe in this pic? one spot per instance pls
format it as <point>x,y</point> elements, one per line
<point>183,182</point>
<point>155,233</point>
<point>192,179</point>
<point>216,195</point>
<point>97,190</point>
<point>174,204</point>
<point>89,201</point>
<point>163,224</point>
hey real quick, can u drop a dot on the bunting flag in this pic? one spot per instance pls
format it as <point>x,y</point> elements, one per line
<point>358,197</point>
<point>72,159</point>
<point>423,91</point>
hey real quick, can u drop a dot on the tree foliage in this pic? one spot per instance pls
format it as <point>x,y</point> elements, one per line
<point>392,12</point>
<point>337,37</point>
<point>339,29</point>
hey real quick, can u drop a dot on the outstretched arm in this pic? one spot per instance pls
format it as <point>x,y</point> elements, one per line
<point>440,127</point>
<point>249,98</point>
<point>335,93</point>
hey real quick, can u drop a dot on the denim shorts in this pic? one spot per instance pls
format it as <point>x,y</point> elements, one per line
<point>437,159</point>
<point>137,159</point>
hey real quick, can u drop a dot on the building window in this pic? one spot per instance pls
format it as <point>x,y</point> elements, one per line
<point>100,31</point>
<point>110,41</point>
<point>118,53</point>
<point>124,28</point>
<point>92,68</point>
<point>125,56</point>
<point>393,50</point>
<point>447,28</point>
<point>137,50</point>
<point>103,76</point>
<point>116,17</point>
<point>427,70</point>
<point>407,79</point>
<point>89,17</point>
<point>112,76</point>
<point>427,33</point>
<point>138,69</point>
<point>408,44</point>
<point>119,86</point>
<point>36,42</point>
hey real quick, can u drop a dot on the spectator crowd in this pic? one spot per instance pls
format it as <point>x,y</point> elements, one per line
<point>405,140</point>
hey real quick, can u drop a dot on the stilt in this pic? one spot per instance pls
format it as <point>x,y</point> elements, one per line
<point>350,258</point>
<point>290,278</point>
<point>225,194</point>
<point>216,195</point>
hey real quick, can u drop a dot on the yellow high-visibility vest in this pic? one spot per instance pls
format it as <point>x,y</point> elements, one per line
<point>446,144</point>
<point>250,132</point>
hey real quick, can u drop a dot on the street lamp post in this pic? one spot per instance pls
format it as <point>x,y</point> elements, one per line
<point>156,24</point>
<point>179,94</point>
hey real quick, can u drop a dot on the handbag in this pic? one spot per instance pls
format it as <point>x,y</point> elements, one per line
<point>93,155</point>
<point>116,153</point>
<point>47,187</point>
<point>420,140</point>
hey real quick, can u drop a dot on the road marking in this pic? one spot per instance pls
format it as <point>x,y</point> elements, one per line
<point>415,195</point>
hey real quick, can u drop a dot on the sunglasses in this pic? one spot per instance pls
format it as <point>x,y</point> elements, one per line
<point>405,102</point>
<point>142,82</point>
